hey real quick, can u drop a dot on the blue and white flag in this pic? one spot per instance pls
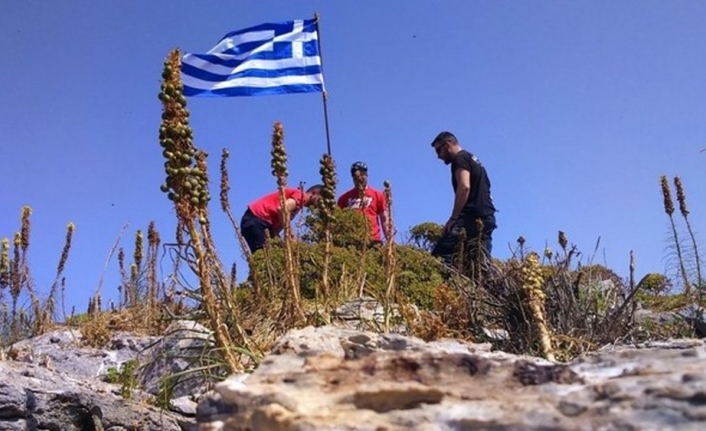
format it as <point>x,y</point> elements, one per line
<point>271,58</point>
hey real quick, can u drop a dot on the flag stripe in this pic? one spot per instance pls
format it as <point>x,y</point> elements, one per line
<point>254,91</point>
<point>277,51</point>
<point>203,75</point>
<point>253,82</point>
<point>271,58</point>
<point>196,63</point>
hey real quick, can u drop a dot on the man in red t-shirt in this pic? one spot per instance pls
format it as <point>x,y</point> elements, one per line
<point>372,204</point>
<point>263,215</point>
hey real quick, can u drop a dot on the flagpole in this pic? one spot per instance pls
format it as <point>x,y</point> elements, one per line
<point>323,93</point>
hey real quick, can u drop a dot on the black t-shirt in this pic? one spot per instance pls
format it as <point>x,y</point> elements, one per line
<point>480,201</point>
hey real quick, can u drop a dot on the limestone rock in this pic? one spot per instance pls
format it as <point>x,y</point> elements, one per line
<point>183,348</point>
<point>338,379</point>
<point>35,398</point>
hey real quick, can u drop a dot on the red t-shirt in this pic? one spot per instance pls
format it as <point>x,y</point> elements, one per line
<point>373,205</point>
<point>267,207</point>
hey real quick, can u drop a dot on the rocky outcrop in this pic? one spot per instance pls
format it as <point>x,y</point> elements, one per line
<point>33,397</point>
<point>332,378</point>
<point>183,361</point>
<point>55,382</point>
<point>338,379</point>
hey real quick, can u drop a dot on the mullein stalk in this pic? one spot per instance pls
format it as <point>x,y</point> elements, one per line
<point>49,308</point>
<point>24,265</point>
<point>4,263</point>
<point>669,210</point>
<point>327,208</point>
<point>279,170</point>
<point>186,186</point>
<point>532,285</point>
<point>681,198</point>
<point>390,261</point>
<point>25,231</point>
<point>136,268</point>
<point>15,278</point>
<point>124,299</point>
<point>225,206</point>
<point>153,241</point>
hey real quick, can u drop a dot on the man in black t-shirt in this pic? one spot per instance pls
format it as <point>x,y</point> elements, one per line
<point>473,208</point>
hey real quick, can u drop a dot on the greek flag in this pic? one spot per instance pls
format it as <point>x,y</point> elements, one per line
<point>271,58</point>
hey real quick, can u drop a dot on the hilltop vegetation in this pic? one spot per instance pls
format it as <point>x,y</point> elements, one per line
<point>546,303</point>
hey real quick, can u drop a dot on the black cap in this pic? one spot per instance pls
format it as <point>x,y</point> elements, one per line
<point>358,166</point>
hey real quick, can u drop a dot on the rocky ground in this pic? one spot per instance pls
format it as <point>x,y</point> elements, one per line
<point>334,378</point>
<point>337,379</point>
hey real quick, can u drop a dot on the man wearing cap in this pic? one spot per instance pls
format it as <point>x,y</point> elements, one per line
<point>264,215</point>
<point>369,201</point>
<point>473,208</point>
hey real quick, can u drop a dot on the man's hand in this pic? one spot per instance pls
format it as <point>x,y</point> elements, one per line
<point>449,225</point>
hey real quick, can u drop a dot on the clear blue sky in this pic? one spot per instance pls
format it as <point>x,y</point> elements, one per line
<point>575,108</point>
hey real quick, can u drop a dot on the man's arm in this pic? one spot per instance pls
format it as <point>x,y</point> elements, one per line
<point>292,209</point>
<point>463,189</point>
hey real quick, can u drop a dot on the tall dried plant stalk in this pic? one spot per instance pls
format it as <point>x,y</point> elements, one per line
<point>669,210</point>
<point>26,279</point>
<point>16,276</point>
<point>4,263</point>
<point>186,186</point>
<point>15,285</point>
<point>390,258</point>
<point>327,208</point>
<point>153,241</point>
<point>25,229</point>
<point>681,198</point>
<point>138,254</point>
<point>50,304</point>
<point>279,170</point>
<point>136,270</point>
<point>225,206</point>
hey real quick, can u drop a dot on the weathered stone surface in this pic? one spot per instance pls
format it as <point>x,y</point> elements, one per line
<point>33,397</point>
<point>185,346</point>
<point>64,352</point>
<point>338,379</point>
<point>364,313</point>
<point>691,314</point>
<point>56,383</point>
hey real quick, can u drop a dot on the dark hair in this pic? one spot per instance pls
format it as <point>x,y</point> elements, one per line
<point>358,166</point>
<point>444,137</point>
<point>315,188</point>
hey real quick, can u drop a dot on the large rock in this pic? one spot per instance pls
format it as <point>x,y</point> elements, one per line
<point>338,379</point>
<point>183,360</point>
<point>64,351</point>
<point>33,397</point>
<point>55,382</point>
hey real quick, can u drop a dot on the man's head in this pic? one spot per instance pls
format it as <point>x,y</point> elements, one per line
<point>446,146</point>
<point>359,172</point>
<point>314,193</point>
